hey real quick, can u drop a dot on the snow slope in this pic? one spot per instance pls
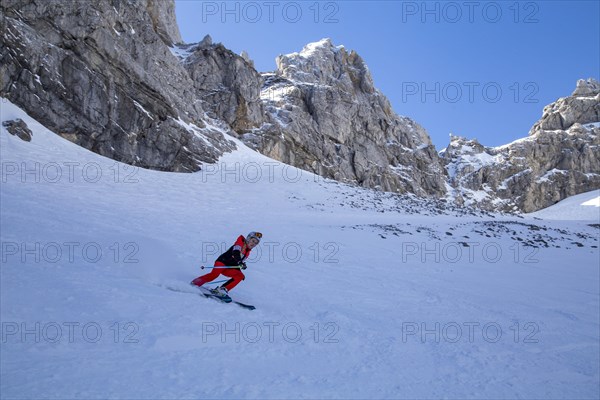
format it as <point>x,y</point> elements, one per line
<point>585,206</point>
<point>358,294</point>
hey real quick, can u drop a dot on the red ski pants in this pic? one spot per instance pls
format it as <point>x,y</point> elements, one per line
<point>234,273</point>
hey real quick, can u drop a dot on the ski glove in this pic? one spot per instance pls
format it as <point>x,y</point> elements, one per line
<point>243,265</point>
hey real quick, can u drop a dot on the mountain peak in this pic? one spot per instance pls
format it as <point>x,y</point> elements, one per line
<point>322,63</point>
<point>582,106</point>
<point>587,87</point>
<point>314,48</point>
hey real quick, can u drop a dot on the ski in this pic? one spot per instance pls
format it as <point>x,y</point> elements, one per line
<point>206,292</point>
<point>246,306</point>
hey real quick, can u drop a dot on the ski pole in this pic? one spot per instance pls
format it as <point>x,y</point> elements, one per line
<point>221,281</point>
<point>224,267</point>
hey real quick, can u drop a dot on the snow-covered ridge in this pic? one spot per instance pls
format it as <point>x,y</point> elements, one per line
<point>314,48</point>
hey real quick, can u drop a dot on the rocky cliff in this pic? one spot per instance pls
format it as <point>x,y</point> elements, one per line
<point>101,74</point>
<point>325,115</point>
<point>319,111</point>
<point>114,77</point>
<point>559,158</point>
<point>226,83</point>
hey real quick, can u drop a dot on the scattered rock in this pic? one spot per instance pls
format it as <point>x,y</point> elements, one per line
<point>18,128</point>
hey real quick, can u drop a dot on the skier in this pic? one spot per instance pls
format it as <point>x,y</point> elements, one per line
<point>230,264</point>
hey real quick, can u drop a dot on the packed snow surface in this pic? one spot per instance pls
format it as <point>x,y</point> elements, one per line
<point>359,294</point>
<point>585,206</point>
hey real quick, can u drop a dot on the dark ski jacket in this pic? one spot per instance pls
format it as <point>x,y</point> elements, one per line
<point>236,253</point>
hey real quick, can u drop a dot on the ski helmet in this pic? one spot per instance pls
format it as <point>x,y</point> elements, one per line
<point>255,235</point>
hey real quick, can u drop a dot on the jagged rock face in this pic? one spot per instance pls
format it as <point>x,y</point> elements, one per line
<point>101,75</point>
<point>113,76</point>
<point>227,84</point>
<point>325,115</point>
<point>583,106</point>
<point>535,172</point>
<point>165,25</point>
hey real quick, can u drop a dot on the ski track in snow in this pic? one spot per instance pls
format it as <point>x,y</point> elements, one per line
<point>348,286</point>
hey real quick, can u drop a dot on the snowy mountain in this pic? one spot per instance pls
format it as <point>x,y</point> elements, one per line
<point>327,117</point>
<point>359,293</point>
<point>114,77</point>
<point>558,159</point>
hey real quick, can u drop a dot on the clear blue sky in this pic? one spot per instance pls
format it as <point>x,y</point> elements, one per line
<point>480,69</point>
